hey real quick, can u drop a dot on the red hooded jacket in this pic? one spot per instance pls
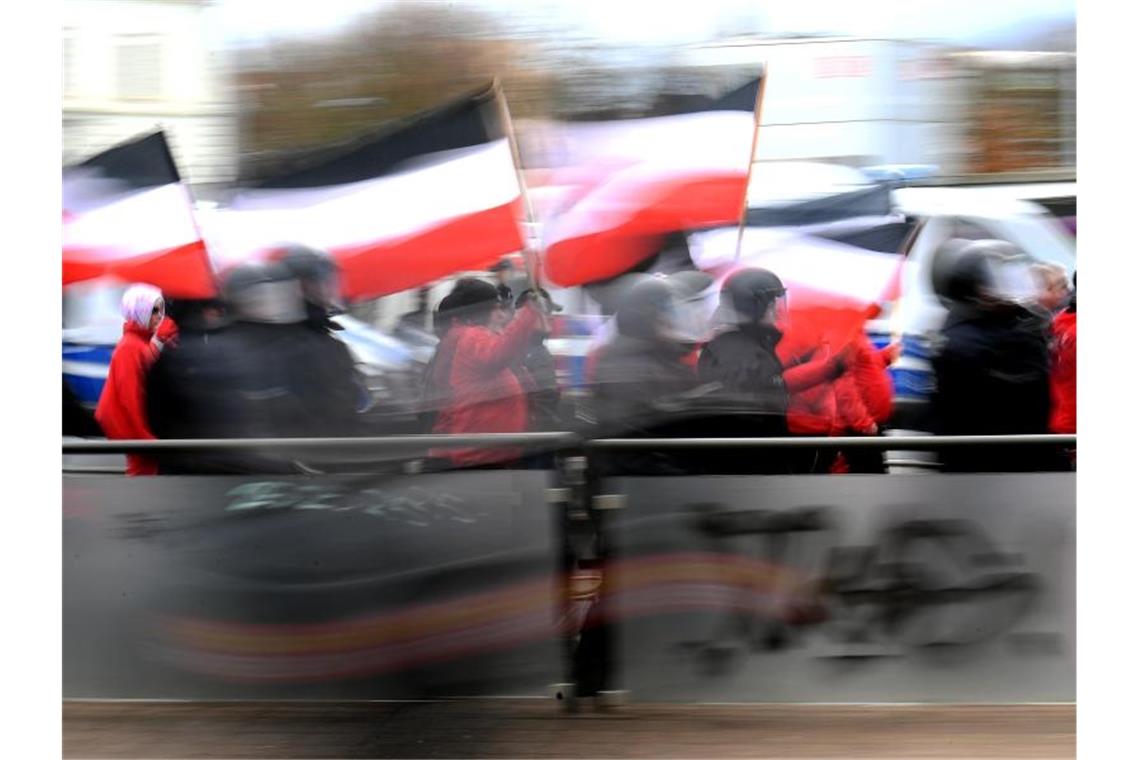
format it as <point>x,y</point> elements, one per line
<point>812,404</point>
<point>1063,378</point>
<point>122,405</point>
<point>484,395</point>
<point>865,390</point>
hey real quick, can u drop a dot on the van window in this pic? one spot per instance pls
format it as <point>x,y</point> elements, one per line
<point>969,229</point>
<point>883,238</point>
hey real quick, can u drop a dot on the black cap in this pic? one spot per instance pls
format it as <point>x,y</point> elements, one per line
<point>470,300</point>
<point>307,263</point>
<point>645,307</point>
<point>749,292</point>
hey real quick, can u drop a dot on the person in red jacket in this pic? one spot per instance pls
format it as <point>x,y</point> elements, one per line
<point>813,375</point>
<point>1063,375</point>
<point>864,399</point>
<point>472,367</point>
<point>122,405</point>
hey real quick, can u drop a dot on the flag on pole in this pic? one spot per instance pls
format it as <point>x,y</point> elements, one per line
<point>833,288</point>
<point>436,194</point>
<point>127,216</point>
<point>629,183</point>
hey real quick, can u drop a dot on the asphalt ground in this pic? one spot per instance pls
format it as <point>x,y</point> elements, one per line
<point>539,728</point>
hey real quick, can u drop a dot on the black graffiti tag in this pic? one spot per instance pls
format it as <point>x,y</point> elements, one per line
<point>922,585</point>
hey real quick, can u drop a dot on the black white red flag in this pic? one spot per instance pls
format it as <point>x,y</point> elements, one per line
<point>128,217</point>
<point>435,194</point>
<point>630,182</point>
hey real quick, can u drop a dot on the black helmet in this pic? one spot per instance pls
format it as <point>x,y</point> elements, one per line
<point>647,309</point>
<point>265,293</point>
<point>690,283</point>
<point>747,294</point>
<point>319,276</point>
<point>973,271</point>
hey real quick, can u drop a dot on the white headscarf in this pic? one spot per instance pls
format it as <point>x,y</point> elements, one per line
<point>138,304</point>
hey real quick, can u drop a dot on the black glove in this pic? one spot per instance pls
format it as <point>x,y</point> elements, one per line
<point>541,300</point>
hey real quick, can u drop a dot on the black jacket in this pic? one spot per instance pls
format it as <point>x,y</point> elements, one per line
<point>250,381</point>
<point>992,377</point>
<point>744,363</point>
<point>635,384</point>
<point>637,393</point>
<point>78,420</point>
<point>539,378</point>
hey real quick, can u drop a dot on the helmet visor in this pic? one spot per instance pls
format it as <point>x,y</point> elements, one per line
<point>778,313</point>
<point>1012,281</point>
<point>326,292</point>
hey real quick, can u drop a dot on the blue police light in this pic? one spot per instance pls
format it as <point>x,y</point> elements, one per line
<point>900,173</point>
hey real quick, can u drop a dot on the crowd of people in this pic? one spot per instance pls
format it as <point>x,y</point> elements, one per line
<point>262,362</point>
<point>259,362</point>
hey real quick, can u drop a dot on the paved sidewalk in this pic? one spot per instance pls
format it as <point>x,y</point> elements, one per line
<point>509,728</point>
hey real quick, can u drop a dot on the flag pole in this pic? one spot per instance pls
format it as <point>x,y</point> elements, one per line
<point>756,111</point>
<point>193,210</point>
<point>529,256</point>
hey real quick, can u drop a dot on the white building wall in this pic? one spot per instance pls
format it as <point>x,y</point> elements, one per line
<point>192,99</point>
<point>855,101</point>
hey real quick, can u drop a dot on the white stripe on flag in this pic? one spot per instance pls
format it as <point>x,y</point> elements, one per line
<point>718,138</point>
<point>821,264</point>
<point>386,208</point>
<point>150,220</point>
<point>633,162</point>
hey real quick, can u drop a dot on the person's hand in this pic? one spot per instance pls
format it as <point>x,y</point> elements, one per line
<point>892,351</point>
<point>531,299</point>
<point>166,334</point>
<point>841,361</point>
<point>810,354</point>
<point>872,429</point>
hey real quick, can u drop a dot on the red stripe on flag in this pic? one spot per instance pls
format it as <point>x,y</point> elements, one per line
<point>468,242</point>
<point>178,272</point>
<point>679,203</point>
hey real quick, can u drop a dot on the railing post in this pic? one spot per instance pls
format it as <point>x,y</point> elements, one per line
<point>585,581</point>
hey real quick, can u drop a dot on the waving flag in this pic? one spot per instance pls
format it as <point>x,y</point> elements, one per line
<point>626,184</point>
<point>434,195</point>
<point>832,287</point>
<point>127,216</point>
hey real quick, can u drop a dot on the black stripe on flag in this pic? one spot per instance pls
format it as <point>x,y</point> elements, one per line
<point>470,120</point>
<point>136,164</point>
<point>743,98</point>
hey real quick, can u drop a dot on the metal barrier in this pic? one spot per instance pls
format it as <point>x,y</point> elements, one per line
<point>556,440</point>
<point>606,568</point>
<point>386,443</point>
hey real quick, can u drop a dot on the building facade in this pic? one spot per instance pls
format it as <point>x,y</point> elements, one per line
<point>132,66</point>
<point>863,102</point>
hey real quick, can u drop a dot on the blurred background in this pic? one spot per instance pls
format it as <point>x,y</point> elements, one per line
<point>975,91</point>
<point>972,87</point>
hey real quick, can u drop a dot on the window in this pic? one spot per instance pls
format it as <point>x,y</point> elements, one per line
<point>69,70</point>
<point>969,229</point>
<point>138,67</point>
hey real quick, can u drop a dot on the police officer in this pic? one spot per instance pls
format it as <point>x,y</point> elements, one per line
<point>991,363</point>
<point>329,384</point>
<point>754,383</point>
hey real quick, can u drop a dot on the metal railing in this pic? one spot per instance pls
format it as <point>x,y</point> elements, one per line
<point>554,440</point>
<point>379,444</point>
